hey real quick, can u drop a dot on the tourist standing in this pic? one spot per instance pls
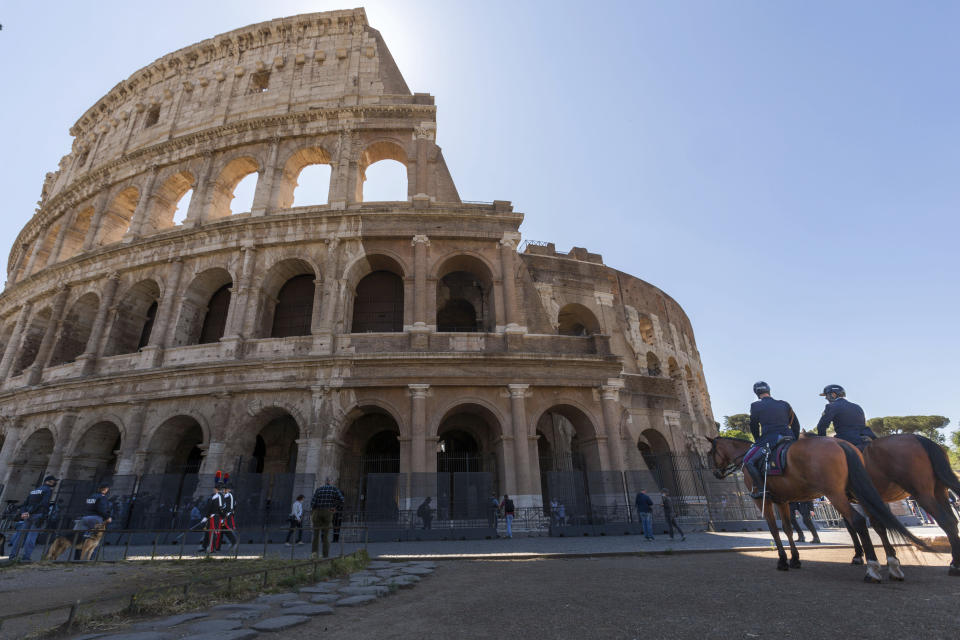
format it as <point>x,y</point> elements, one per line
<point>296,520</point>
<point>644,507</point>
<point>323,506</point>
<point>508,511</point>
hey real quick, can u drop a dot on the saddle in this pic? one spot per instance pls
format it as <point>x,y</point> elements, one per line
<point>776,461</point>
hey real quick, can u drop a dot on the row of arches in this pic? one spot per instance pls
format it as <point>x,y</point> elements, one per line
<point>165,201</point>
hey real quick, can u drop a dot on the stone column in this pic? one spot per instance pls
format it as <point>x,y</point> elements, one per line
<point>263,196</point>
<point>58,244</point>
<point>200,196</point>
<point>33,257</point>
<point>64,427</point>
<point>610,402</point>
<point>132,454</point>
<point>316,314</point>
<point>521,461</point>
<point>46,344</point>
<point>152,354</point>
<point>508,252</point>
<point>330,276</point>
<point>13,347</point>
<point>10,444</point>
<point>143,207</point>
<point>425,133</point>
<point>420,243</point>
<point>88,359</point>
<point>99,207</point>
<point>243,313</point>
<point>418,427</point>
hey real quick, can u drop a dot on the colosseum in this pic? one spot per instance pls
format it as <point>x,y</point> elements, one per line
<point>152,333</point>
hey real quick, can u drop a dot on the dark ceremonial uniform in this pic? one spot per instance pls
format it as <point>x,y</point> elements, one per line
<point>771,420</point>
<point>848,421</point>
<point>228,523</point>
<point>213,511</point>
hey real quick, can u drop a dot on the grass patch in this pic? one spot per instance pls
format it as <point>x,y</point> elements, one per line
<point>209,584</point>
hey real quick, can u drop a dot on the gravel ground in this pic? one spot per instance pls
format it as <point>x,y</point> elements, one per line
<point>714,595</point>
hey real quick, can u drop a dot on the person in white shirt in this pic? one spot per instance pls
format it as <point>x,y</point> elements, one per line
<point>296,520</point>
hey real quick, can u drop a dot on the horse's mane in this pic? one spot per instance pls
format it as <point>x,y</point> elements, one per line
<point>733,439</point>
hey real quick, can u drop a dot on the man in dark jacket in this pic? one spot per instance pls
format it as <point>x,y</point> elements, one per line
<point>669,515</point>
<point>644,507</point>
<point>33,513</point>
<point>323,506</point>
<point>848,419</point>
<point>97,511</point>
<point>805,509</point>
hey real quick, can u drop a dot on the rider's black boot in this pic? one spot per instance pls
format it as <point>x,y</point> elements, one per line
<point>757,478</point>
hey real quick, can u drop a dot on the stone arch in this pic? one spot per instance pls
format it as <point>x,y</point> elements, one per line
<point>673,369</point>
<point>376,300</point>
<point>76,233</point>
<point>268,442</point>
<point>577,320</point>
<point>645,326</point>
<point>26,252</point>
<point>653,364</point>
<point>658,457</point>
<point>223,187</point>
<point>572,435</point>
<point>116,218</point>
<point>465,292</point>
<point>299,160</point>
<point>204,308</point>
<point>164,201</point>
<point>29,463</point>
<point>75,329</point>
<point>288,292</point>
<point>176,445</point>
<point>133,323</point>
<point>371,445</point>
<point>5,334</point>
<point>379,151</point>
<point>94,452</point>
<point>33,336</point>
<point>45,246</point>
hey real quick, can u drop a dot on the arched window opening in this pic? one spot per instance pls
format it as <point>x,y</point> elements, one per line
<point>75,330</point>
<point>215,320</point>
<point>175,447</point>
<point>95,456</point>
<point>166,202</point>
<point>134,319</point>
<point>463,303</point>
<point>21,268</point>
<point>115,220</point>
<point>385,181</point>
<point>204,308</point>
<point>659,459</point>
<point>645,325</point>
<point>29,464</point>
<point>147,326</point>
<point>275,449</point>
<point>312,186</point>
<point>653,364</point>
<point>76,234</point>
<point>468,446</point>
<point>31,341</point>
<point>378,305</point>
<point>293,313</point>
<point>234,188</point>
<point>673,369</point>
<point>577,320</point>
<point>243,194</point>
<point>182,207</point>
<point>45,247</point>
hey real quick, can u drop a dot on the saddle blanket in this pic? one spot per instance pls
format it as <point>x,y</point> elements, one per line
<point>777,462</point>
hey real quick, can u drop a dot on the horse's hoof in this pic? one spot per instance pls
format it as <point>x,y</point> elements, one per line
<point>871,580</point>
<point>896,578</point>
<point>856,560</point>
<point>954,571</point>
<point>782,566</point>
<point>794,564</point>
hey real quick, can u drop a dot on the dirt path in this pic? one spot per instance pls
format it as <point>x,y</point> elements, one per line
<point>719,595</point>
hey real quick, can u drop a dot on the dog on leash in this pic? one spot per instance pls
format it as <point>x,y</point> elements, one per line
<point>87,545</point>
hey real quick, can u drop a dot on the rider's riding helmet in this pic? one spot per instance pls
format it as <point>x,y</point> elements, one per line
<point>760,388</point>
<point>833,391</point>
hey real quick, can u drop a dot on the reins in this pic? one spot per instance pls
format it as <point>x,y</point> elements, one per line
<point>734,464</point>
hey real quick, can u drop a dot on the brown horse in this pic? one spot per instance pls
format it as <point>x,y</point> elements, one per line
<point>905,465</point>
<point>815,467</point>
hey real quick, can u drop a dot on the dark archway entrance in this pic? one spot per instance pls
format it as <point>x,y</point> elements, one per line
<point>370,467</point>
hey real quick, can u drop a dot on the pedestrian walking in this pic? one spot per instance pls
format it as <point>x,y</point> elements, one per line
<point>296,520</point>
<point>228,522</point>
<point>644,507</point>
<point>33,514</point>
<point>805,509</point>
<point>506,506</point>
<point>669,514</point>
<point>425,513</point>
<point>323,506</point>
<point>493,509</point>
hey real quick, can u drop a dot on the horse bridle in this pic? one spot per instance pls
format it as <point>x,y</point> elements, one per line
<point>734,465</point>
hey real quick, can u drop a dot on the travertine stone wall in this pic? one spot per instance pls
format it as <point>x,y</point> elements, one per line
<point>297,337</point>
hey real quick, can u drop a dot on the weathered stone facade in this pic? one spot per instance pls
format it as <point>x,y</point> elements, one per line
<point>301,339</point>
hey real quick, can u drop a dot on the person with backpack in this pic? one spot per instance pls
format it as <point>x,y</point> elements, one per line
<point>506,506</point>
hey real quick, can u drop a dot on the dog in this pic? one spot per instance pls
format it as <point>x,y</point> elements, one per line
<point>87,544</point>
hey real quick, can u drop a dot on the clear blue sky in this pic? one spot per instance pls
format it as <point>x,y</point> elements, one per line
<point>788,171</point>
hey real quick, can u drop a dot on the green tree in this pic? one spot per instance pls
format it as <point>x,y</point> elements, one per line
<point>736,426</point>
<point>928,426</point>
<point>955,449</point>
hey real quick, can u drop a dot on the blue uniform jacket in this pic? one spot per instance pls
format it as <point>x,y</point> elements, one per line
<point>847,418</point>
<point>99,505</point>
<point>772,419</point>
<point>38,501</point>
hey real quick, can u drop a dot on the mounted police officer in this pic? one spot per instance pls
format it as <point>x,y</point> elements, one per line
<point>847,418</point>
<point>33,513</point>
<point>770,422</point>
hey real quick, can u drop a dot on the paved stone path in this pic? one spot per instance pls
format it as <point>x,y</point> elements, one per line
<point>275,612</point>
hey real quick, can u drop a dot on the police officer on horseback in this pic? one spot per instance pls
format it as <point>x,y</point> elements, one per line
<point>847,417</point>
<point>771,421</point>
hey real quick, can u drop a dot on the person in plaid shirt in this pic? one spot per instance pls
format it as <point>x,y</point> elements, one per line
<point>324,504</point>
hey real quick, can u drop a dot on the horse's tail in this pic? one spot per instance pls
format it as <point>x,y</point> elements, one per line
<point>940,463</point>
<point>859,483</point>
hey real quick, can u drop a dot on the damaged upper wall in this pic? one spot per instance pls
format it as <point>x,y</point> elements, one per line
<point>289,65</point>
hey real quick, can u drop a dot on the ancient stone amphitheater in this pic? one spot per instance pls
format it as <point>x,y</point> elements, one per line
<point>156,341</point>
